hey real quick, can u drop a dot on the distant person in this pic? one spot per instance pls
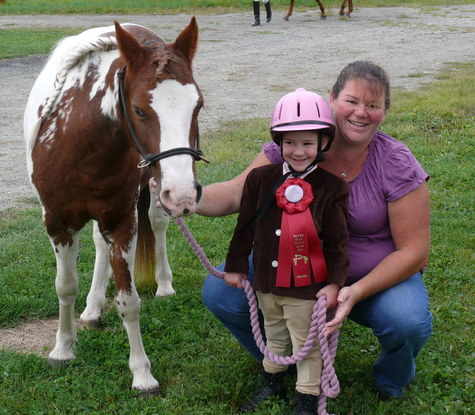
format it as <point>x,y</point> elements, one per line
<point>257,11</point>
<point>293,219</point>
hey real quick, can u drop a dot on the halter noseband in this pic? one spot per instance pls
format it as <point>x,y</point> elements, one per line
<point>149,159</point>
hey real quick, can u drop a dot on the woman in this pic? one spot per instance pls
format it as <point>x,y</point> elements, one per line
<point>388,226</point>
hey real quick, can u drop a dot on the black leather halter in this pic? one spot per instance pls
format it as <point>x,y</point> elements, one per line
<point>149,159</point>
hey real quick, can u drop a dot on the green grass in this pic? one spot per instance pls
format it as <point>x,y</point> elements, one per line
<point>24,42</point>
<point>185,6</point>
<point>201,368</point>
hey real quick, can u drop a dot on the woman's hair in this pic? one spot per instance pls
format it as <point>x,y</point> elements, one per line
<point>364,70</point>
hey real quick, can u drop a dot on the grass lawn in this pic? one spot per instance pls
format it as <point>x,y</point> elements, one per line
<point>202,370</point>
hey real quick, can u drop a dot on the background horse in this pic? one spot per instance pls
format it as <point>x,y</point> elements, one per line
<point>322,9</point>
<point>108,100</point>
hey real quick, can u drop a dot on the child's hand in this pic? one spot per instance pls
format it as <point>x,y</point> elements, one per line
<point>331,292</point>
<point>234,279</point>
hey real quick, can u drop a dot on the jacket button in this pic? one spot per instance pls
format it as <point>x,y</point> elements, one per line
<point>278,232</point>
<point>275,264</point>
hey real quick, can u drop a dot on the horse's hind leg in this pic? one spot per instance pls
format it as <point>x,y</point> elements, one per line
<point>349,3</point>
<point>322,10</point>
<point>163,274</point>
<point>291,9</point>
<point>96,299</point>
<point>66,288</point>
<point>128,305</point>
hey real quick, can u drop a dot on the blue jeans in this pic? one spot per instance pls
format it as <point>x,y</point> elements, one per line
<point>231,307</point>
<point>399,317</point>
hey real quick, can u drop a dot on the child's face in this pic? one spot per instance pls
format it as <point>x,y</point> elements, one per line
<point>299,148</point>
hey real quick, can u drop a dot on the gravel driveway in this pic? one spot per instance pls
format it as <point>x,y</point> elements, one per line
<point>243,70</point>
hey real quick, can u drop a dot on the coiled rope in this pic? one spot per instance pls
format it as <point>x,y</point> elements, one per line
<point>329,385</point>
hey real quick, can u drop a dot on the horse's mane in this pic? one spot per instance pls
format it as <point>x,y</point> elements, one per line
<point>70,51</point>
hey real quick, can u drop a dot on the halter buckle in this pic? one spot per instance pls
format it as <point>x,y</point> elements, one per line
<point>143,164</point>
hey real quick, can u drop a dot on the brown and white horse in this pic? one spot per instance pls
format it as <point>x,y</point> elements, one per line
<point>345,3</point>
<point>108,101</point>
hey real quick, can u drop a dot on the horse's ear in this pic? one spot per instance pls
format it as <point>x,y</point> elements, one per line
<point>187,41</point>
<point>129,48</point>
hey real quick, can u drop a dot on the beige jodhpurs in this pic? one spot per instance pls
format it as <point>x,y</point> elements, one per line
<point>286,323</point>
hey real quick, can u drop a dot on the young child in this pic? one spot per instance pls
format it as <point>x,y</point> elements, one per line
<point>293,219</point>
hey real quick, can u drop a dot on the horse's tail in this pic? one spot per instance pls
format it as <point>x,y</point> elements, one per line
<point>144,273</point>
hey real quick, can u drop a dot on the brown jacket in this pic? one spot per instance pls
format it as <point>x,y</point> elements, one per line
<point>259,235</point>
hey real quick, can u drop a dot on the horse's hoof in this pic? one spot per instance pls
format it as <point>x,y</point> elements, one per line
<point>150,393</point>
<point>91,324</point>
<point>286,18</point>
<point>58,364</point>
<point>165,290</point>
<point>323,17</point>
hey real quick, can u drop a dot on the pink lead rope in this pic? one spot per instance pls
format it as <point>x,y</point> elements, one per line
<point>330,386</point>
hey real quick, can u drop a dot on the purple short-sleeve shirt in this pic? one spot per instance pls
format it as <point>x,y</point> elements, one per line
<point>389,173</point>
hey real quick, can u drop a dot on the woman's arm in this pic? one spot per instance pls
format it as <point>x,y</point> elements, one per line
<point>224,198</point>
<point>409,218</point>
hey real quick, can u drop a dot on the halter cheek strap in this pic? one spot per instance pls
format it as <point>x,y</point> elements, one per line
<point>149,159</point>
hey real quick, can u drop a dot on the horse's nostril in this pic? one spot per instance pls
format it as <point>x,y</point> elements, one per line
<point>165,196</point>
<point>186,211</point>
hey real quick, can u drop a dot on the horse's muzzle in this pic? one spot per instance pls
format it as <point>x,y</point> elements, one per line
<point>175,203</point>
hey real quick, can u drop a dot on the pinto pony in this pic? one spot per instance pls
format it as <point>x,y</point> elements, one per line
<point>113,108</point>
<point>345,3</point>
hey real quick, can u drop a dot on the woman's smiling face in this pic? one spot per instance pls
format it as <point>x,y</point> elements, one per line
<point>359,110</point>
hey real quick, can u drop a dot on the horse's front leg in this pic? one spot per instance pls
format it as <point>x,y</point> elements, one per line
<point>122,254</point>
<point>322,10</point>
<point>163,275</point>
<point>96,298</point>
<point>66,284</point>
<point>291,9</point>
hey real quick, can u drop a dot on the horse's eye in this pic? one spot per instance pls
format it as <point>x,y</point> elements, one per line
<point>140,112</point>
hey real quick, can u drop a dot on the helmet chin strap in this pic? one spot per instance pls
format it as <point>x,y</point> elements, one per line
<point>290,171</point>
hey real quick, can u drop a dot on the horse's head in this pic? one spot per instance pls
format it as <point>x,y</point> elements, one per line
<point>160,102</point>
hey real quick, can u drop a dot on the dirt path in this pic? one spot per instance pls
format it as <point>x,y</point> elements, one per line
<point>242,71</point>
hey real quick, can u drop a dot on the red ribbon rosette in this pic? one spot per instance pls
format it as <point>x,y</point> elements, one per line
<point>300,251</point>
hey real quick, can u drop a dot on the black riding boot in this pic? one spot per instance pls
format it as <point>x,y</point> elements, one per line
<point>306,404</point>
<point>257,18</point>
<point>273,386</point>
<point>268,12</point>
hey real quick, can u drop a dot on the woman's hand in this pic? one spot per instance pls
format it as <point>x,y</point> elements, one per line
<point>346,299</point>
<point>234,279</point>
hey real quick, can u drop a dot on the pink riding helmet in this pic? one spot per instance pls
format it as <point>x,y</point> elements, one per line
<point>301,110</point>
